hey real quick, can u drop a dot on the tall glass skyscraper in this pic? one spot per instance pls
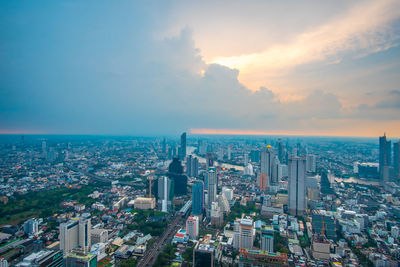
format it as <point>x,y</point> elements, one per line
<point>385,156</point>
<point>197,198</point>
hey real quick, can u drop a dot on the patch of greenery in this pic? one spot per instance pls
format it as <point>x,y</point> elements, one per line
<point>166,256</point>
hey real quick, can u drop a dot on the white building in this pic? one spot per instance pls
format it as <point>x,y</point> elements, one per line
<point>76,233</point>
<point>212,185</point>
<point>192,227</point>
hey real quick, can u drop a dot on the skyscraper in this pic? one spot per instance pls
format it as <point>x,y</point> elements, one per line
<point>175,173</point>
<point>212,185</point>
<point>182,149</point>
<point>297,191</point>
<point>385,153</point>
<point>246,233</point>
<point>396,159</point>
<point>192,166</point>
<point>311,163</point>
<point>267,242</point>
<point>76,233</point>
<point>267,157</point>
<point>197,198</point>
<point>165,193</point>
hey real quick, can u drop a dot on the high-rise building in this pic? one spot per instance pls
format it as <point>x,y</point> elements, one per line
<point>31,226</point>
<point>263,181</point>
<point>229,152</point>
<point>281,151</point>
<point>385,153</point>
<point>209,160</point>
<point>164,146</point>
<point>255,155</point>
<point>192,227</point>
<point>267,242</point>
<point>216,214</point>
<point>275,171</point>
<point>182,149</point>
<point>212,185</point>
<point>175,173</point>
<point>223,203</point>
<point>267,157</point>
<point>297,191</point>
<point>192,166</point>
<point>396,159</point>
<point>311,163</point>
<point>197,198</point>
<point>165,193</point>
<point>246,233</point>
<point>203,253</point>
<point>76,233</point>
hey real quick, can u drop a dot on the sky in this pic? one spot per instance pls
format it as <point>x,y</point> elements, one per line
<point>207,67</point>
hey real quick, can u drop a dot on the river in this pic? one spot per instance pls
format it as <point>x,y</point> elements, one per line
<point>190,151</point>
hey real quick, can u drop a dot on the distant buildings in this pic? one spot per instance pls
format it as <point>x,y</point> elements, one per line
<point>396,159</point>
<point>192,166</point>
<point>297,191</point>
<point>311,163</point>
<point>385,154</point>
<point>249,257</point>
<point>182,148</point>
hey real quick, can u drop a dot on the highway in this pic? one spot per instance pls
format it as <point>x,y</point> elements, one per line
<point>151,253</point>
<point>102,179</point>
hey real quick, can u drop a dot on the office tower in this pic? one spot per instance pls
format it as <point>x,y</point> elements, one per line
<point>311,163</point>
<point>182,150</point>
<point>236,234</point>
<point>197,198</point>
<point>202,147</point>
<point>203,253</point>
<point>325,184</point>
<point>275,171</point>
<point>76,233</point>
<point>175,173</point>
<point>164,146</point>
<point>281,151</point>
<point>165,193</point>
<point>192,227</point>
<point>44,149</point>
<point>267,156</point>
<point>248,170</point>
<point>78,259</point>
<point>384,156</point>
<point>192,166</point>
<point>85,228</point>
<point>229,152</point>
<point>396,159</point>
<point>209,160</point>
<point>267,242</point>
<point>246,159</point>
<point>212,185</point>
<point>297,191</point>
<point>31,227</point>
<point>246,233</point>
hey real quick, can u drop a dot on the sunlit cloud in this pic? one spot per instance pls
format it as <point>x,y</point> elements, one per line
<point>364,29</point>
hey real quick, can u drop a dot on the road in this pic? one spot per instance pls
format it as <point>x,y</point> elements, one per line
<point>102,179</point>
<point>151,253</point>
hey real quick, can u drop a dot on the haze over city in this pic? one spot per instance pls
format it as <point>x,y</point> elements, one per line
<point>254,67</point>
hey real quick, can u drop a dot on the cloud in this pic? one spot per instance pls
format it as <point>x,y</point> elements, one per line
<point>75,79</point>
<point>366,28</point>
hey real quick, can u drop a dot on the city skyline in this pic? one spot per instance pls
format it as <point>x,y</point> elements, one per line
<point>324,69</point>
